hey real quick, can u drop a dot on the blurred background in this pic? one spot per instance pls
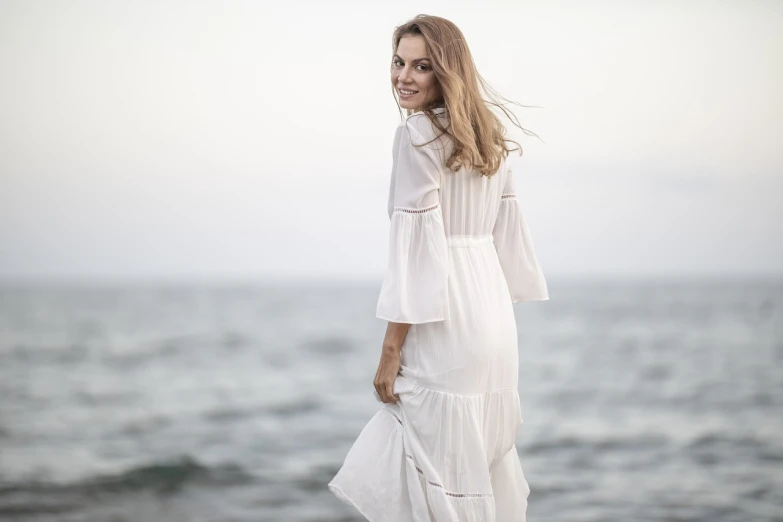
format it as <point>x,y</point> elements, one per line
<point>193,233</point>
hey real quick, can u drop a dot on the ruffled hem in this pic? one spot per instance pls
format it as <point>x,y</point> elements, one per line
<point>437,456</point>
<point>345,498</point>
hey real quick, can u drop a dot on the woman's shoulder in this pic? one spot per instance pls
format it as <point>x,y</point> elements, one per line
<point>421,129</point>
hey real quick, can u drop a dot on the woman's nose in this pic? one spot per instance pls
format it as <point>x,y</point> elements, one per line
<point>405,75</point>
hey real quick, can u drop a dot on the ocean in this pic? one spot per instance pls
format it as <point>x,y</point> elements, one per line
<point>643,400</point>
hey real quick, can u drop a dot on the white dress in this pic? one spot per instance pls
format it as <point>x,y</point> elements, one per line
<point>460,254</point>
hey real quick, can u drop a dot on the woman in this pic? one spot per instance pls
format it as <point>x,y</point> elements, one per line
<point>441,448</point>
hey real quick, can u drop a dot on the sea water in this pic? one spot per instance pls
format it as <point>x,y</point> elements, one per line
<point>643,400</point>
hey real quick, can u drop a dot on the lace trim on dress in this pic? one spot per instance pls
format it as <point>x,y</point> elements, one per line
<point>430,482</point>
<point>508,196</point>
<point>415,211</point>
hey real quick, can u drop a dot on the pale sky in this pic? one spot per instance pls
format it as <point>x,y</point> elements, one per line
<point>252,140</point>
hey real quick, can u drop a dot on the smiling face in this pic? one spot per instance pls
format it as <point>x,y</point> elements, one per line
<point>412,75</point>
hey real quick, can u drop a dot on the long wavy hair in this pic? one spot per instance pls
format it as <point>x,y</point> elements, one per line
<point>477,133</point>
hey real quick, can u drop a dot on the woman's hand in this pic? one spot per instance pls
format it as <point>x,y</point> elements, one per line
<point>388,368</point>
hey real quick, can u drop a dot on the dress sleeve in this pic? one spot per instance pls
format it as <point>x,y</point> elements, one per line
<point>514,245</point>
<point>415,288</point>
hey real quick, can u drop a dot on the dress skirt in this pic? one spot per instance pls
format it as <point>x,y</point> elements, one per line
<point>446,450</point>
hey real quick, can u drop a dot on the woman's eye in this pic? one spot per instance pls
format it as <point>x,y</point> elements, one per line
<point>423,67</point>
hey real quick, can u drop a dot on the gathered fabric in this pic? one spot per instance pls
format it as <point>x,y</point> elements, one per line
<point>460,253</point>
<point>415,286</point>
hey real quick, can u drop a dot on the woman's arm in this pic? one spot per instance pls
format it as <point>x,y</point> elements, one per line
<point>389,365</point>
<point>395,335</point>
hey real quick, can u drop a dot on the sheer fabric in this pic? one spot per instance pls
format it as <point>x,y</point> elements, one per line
<point>460,253</point>
<point>514,245</point>
<point>414,288</point>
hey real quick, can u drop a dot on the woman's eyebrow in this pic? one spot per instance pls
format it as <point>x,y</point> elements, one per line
<point>413,61</point>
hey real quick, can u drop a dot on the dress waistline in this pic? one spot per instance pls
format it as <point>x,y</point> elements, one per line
<point>469,241</point>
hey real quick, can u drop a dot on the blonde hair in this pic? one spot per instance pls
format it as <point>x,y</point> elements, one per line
<point>477,133</point>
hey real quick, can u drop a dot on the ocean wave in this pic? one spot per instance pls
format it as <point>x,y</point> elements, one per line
<point>162,478</point>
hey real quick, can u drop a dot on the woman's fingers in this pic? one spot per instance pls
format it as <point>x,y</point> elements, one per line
<point>385,391</point>
<point>377,384</point>
<point>388,369</point>
<point>390,392</point>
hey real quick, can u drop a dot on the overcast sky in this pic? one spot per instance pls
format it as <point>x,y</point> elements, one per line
<point>252,140</point>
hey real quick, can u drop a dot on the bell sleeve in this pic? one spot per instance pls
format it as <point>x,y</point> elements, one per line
<point>415,285</point>
<point>514,245</point>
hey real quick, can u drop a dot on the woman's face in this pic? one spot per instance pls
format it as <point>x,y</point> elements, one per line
<point>412,75</point>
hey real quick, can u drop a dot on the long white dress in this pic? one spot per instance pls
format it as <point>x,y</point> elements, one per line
<point>460,253</point>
